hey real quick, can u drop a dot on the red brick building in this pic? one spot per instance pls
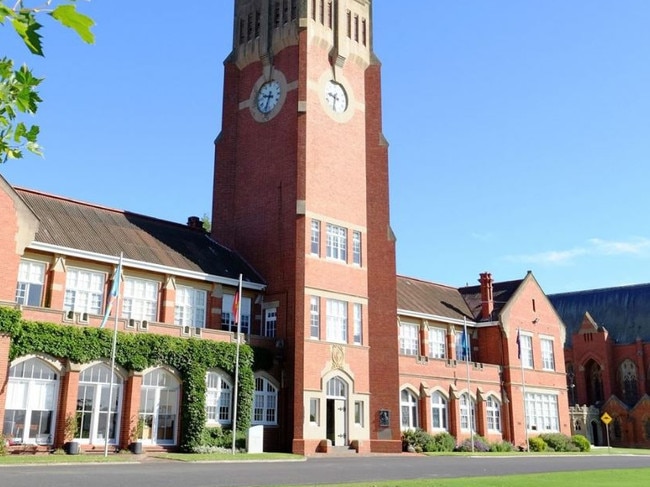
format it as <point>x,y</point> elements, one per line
<point>607,359</point>
<point>301,210</point>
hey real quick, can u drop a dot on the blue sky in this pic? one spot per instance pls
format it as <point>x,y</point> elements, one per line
<point>519,130</point>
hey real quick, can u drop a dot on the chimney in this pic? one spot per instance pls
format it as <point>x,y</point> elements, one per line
<point>195,223</point>
<point>487,299</point>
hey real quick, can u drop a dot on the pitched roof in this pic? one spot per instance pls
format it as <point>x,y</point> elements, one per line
<point>501,294</point>
<point>91,228</point>
<point>623,311</point>
<point>430,298</point>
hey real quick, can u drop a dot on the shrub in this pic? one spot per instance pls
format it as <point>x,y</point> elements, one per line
<point>480,445</point>
<point>416,440</point>
<point>219,439</point>
<point>537,444</point>
<point>559,442</point>
<point>501,446</point>
<point>441,442</point>
<point>4,445</point>
<point>581,442</point>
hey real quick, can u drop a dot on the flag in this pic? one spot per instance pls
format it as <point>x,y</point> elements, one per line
<point>463,345</point>
<point>112,296</point>
<point>235,308</point>
<point>518,345</point>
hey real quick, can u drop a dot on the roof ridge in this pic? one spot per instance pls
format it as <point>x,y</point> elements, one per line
<point>426,281</point>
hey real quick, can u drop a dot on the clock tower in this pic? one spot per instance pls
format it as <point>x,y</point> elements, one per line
<point>301,192</point>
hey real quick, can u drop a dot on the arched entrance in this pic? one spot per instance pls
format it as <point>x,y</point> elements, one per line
<point>337,406</point>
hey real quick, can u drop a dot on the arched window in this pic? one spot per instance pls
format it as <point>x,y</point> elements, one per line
<point>438,411</point>
<point>159,407</point>
<point>467,412</point>
<point>629,382</point>
<point>218,401</point>
<point>493,409</point>
<point>30,407</point>
<point>95,403</point>
<point>336,387</point>
<point>408,410</point>
<point>265,402</point>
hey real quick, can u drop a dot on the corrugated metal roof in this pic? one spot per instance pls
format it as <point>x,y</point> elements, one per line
<point>623,311</point>
<point>83,226</point>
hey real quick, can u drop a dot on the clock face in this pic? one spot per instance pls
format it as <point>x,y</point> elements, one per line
<point>268,96</point>
<point>335,97</point>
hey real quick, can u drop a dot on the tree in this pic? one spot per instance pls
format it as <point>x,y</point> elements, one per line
<point>18,87</point>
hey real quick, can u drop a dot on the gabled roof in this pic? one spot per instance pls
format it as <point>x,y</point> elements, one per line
<point>624,311</point>
<point>428,298</point>
<point>501,294</point>
<point>90,228</point>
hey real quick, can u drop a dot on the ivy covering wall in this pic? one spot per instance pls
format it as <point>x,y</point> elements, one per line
<point>190,357</point>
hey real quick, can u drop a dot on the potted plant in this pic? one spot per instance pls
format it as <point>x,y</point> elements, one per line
<point>70,431</point>
<point>136,435</point>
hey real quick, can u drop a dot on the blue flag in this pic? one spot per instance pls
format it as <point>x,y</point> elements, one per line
<point>112,297</point>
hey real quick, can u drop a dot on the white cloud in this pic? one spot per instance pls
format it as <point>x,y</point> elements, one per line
<point>639,247</point>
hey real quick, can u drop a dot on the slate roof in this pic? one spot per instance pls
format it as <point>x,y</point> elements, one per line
<point>431,298</point>
<point>83,226</point>
<point>623,311</point>
<point>501,294</point>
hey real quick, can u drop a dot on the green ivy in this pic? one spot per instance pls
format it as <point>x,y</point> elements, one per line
<point>135,351</point>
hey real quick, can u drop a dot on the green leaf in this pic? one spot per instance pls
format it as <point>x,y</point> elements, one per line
<point>27,28</point>
<point>80,23</point>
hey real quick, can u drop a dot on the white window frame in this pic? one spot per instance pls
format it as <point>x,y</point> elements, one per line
<point>548,355</point>
<point>315,237</point>
<point>437,342</point>
<point>94,386</point>
<point>314,410</point>
<point>140,300</point>
<point>408,410</point>
<point>542,413</point>
<point>526,350</point>
<point>357,324</point>
<point>358,413</point>
<point>218,398</point>
<point>227,318</point>
<point>314,317</point>
<point>84,291</point>
<point>190,307</point>
<point>409,339</point>
<point>493,412</point>
<point>467,412</point>
<point>356,247</point>
<point>439,411</point>
<point>337,320</point>
<point>337,242</point>
<point>265,402</point>
<point>31,282</point>
<point>270,322</point>
<point>159,400</point>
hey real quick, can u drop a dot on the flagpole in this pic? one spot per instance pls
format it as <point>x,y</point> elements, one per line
<point>523,388</point>
<point>238,297</point>
<point>116,286</point>
<point>467,352</point>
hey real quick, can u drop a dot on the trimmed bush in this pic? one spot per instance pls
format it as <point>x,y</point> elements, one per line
<point>581,442</point>
<point>415,440</point>
<point>218,439</point>
<point>501,446</point>
<point>559,442</point>
<point>441,442</point>
<point>537,444</point>
<point>480,445</point>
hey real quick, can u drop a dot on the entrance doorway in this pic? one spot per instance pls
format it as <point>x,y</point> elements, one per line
<point>337,399</point>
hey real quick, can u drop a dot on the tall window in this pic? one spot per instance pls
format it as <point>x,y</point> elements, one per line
<point>159,407</point>
<point>93,405</point>
<point>337,321</point>
<point>140,299</point>
<point>542,412</point>
<point>315,237</point>
<point>84,291</point>
<point>408,339</point>
<point>437,343</point>
<point>526,350</point>
<point>218,399</point>
<point>358,413</point>
<point>408,410</point>
<point>265,402</point>
<point>548,357</point>
<point>314,410</point>
<point>31,277</point>
<point>314,317</point>
<point>467,412</point>
<point>629,382</point>
<point>357,330</point>
<point>228,313</point>
<point>356,247</point>
<point>493,409</point>
<point>190,308</point>
<point>337,242</point>
<point>438,411</point>
<point>32,390</point>
<point>270,322</point>
<point>463,346</point>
